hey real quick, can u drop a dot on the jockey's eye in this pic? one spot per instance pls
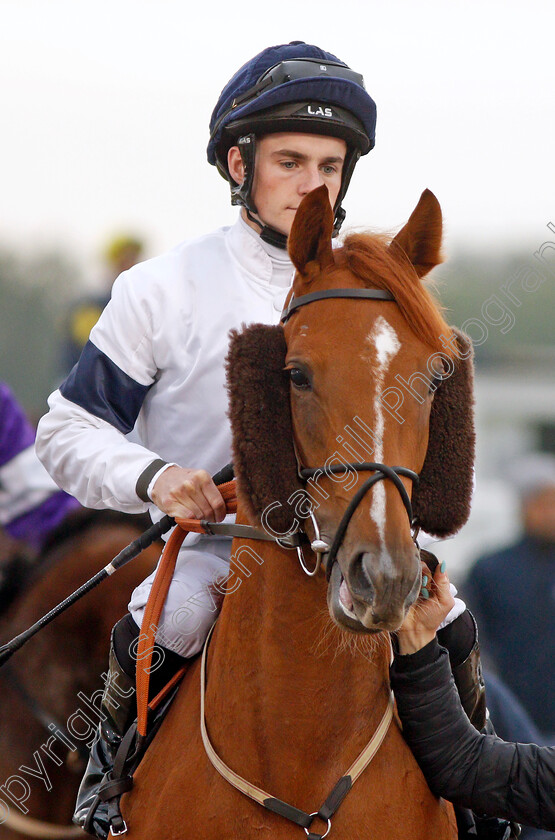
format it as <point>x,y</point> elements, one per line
<point>299,378</point>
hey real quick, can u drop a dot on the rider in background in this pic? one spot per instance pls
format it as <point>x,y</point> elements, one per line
<point>31,504</point>
<point>121,253</point>
<point>291,119</point>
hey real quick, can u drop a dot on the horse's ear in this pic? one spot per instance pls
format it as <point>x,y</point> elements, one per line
<point>420,238</point>
<point>441,500</point>
<point>310,237</point>
<point>262,431</point>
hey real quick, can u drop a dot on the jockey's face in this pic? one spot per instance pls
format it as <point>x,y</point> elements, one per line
<point>288,166</point>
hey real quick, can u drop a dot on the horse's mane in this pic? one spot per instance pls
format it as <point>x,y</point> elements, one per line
<point>369,257</point>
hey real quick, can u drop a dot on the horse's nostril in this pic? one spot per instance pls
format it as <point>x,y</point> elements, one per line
<point>359,578</point>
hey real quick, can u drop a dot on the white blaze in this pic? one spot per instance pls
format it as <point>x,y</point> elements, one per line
<point>386,344</point>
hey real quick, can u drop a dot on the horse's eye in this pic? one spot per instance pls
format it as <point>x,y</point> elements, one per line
<point>298,378</point>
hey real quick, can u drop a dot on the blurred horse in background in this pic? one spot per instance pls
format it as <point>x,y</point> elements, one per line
<point>49,692</point>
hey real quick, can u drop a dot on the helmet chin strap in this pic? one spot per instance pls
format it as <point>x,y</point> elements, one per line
<point>241,194</point>
<point>268,234</point>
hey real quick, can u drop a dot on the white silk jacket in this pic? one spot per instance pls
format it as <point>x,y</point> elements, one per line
<point>154,367</point>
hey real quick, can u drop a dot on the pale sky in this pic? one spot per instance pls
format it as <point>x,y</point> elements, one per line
<point>104,110</point>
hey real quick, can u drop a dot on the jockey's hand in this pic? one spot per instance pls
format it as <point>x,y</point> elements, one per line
<point>426,614</point>
<point>189,494</point>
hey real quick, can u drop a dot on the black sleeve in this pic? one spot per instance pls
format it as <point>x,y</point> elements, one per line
<point>481,772</point>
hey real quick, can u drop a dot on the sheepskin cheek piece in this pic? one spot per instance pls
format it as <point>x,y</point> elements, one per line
<point>263,454</point>
<point>262,432</point>
<point>441,501</point>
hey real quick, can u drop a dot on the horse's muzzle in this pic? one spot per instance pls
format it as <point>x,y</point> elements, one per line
<point>372,593</point>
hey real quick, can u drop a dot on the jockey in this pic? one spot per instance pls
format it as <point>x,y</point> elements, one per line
<point>292,118</point>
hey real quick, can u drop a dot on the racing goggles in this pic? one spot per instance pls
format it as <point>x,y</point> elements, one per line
<point>293,69</point>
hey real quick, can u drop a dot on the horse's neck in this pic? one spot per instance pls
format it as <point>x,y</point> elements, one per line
<point>278,664</point>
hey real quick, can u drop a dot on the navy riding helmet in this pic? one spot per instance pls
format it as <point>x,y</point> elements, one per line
<point>291,87</point>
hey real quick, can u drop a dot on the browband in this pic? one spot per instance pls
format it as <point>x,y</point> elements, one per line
<point>372,294</point>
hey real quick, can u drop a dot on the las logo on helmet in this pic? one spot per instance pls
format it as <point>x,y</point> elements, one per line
<point>319,111</point>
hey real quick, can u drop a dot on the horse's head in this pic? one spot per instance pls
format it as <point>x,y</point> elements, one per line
<point>355,381</point>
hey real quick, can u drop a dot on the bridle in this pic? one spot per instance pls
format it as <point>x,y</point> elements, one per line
<point>381,471</point>
<point>326,294</point>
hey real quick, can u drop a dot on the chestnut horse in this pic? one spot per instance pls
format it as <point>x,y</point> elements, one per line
<point>295,690</point>
<point>47,681</point>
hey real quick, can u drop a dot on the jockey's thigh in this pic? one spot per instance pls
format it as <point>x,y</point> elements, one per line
<point>192,605</point>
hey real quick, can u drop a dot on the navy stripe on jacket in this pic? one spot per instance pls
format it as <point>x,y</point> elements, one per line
<point>99,386</point>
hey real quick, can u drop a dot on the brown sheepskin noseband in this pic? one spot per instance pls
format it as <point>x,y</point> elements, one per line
<point>263,453</point>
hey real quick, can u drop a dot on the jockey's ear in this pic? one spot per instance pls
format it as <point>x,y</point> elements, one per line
<point>420,239</point>
<point>310,237</point>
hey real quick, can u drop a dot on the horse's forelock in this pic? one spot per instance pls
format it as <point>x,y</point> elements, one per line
<point>368,257</point>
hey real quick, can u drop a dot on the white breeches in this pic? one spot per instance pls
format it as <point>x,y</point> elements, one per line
<point>191,606</point>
